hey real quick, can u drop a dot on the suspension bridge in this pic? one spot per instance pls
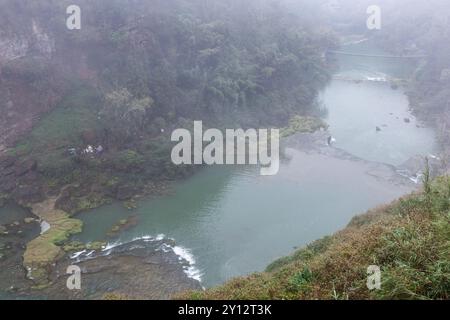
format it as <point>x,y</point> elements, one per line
<point>376,76</point>
<point>345,53</point>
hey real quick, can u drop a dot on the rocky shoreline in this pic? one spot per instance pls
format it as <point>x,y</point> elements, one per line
<point>35,261</point>
<point>408,172</point>
<point>47,255</point>
<point>38,256</point>
<point>140,269</point>
<point>15,232</point>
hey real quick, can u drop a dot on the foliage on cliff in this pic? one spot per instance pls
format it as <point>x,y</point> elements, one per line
<point>418,27</point>
<point>136,71</point>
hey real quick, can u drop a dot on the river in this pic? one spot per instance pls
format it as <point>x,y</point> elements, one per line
<point>230,221</point>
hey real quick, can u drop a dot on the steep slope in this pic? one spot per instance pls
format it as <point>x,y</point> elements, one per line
<point>130,76</point>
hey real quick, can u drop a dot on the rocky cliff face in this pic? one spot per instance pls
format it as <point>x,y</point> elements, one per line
<point>20,179</point>
<point>12,49</point>
<point>186,63</point>
<point>35,42</point>
<point>23,95</point>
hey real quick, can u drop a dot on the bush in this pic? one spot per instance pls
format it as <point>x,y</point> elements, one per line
<point>301,280</point>
<point>128,160</point>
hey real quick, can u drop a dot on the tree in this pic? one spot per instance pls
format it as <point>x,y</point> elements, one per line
<point>125,115</point>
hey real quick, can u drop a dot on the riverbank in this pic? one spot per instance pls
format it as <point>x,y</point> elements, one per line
<point>218,202</point>
<point>44,253</point>
<point>312,171</point>
<point>202,210</point>
<point>35,253</point>
<point>17,228</point>
<point>146,268</point>
<point>300,148</point>
<point>408,240</point>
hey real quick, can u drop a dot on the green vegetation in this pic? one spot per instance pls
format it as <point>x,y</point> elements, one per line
<point>419,29</point>
<point>60,130</point>
<point>121,225</point>
<point>76,246</point>
<point>303,125</point>
<point>409,240</point>
<point>143,77</point>
<point>126,113</point>
<point>63,125</point>
<point>43,251</point>
<point>127,160</point>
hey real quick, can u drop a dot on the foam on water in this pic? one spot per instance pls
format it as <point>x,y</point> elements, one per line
<point>416,178</point>
<point>45,226</point>
<point>111,246</point>
<point>77,254</point>
<point>191,271</point>
<point>185,256</point>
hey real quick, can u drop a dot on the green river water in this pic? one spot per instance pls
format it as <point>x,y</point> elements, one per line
<point>229,221</point>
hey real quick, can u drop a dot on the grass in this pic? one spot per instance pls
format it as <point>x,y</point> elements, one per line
<point>303,125</point>
<point>409,240</point>
<point>44,250</point>
<point>77,112</point>
<point>60,129</point>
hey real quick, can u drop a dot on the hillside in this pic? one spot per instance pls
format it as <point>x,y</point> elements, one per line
<point>86,119</point>
<point>408,239</point>
<point>129,77</point>
<point>86,115</point>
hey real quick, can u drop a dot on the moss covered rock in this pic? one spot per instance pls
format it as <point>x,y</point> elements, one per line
<point>43,251</point>
<point>299,124</point>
